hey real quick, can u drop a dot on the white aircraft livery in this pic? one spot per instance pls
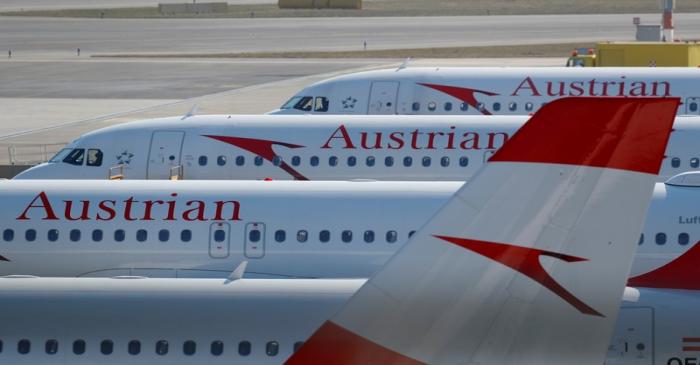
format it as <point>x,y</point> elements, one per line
<point>313,148</point>
<point>487,90</point>
<point>533,246</point>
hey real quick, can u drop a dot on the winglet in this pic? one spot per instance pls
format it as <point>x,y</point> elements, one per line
<point>237,273</point>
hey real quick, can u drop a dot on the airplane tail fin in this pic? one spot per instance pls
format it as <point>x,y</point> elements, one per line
<point>527,263</point>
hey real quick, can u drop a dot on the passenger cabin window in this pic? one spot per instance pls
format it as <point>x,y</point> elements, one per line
<point>432,106</point>
<point>426,161</point>
<point>185,235</point>
<point>391,236</point>
<point>141,235</point>
<point>163,235</point>
<point>464,161</point>
<point>675,162</point>
<point>370,161</point>
<point>220,235</point>
<point>8,235</point>
<point>221,160</point>
<point>512,106</point>
<point>448,106</point>
<point>277,160</point>
<point>94,157</point>
<point>51,347</point>
<point>369,236</point>
<point>189,348</point>
<point>314,161</point>
<point>254,235</point>
<point>415,106</point>
<point>75,157</point>
<point>79,347</point>
<point>52,235</point>
<point>202,160</point>
<point>496,106</point>
<point>346,236</point>
<point>641,238</point>
<point>445,161</point>
<point>388,161</point>
<point>30,235</point>
<point>464,107</point>
<point>97,235</point>
<point>217,348</point>
<point>693,107</point>
<point>24,346</point>
<point>321,104</point>
<point>162,347</point>
<point>333,161</point>
<point>272,348</point>
<point>244,348</point>
<point>661,238</point>
<point>74,235</point>
<point>324,236</point>
<point>352,161</point>
<point>529,106</point>
<point>408,161</point>
<point>119,235</point>
<point>134,347</point>
<point>106,347</point>
<point>302,236</point>
<point>683,239</point>
<point>296,161</point>
<point>280,235</point>
<point>240,160</point>
<point>694,162</point>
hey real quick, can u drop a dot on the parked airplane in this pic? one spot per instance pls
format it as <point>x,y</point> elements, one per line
<point>204,228</point>
<point>312,148</point>
<point>535,245</point>
<point>482,90</point>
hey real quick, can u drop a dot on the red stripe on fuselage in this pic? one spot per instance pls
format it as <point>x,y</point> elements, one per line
<point>462,93</point>
<point>681,273</point>
<point>262,148</point>
<point>527,262</point>
<point>334,345</point>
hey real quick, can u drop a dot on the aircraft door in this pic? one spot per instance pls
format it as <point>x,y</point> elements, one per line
<point>383,97</point>
<point>255,240</point>
<point>633,339</point>
<point>165,151</point>
<point>219,240</point>
<point>692,106</point>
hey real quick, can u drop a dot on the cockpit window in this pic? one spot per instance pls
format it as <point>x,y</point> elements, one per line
<point>94,157</point>
<point>303,103</point>
<point>321,104</point>
<point>61,155</point>
<point>75,157</point>
<point>291,102</point>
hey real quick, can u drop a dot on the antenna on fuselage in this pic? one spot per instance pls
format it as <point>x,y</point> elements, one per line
<point>237,273</point>
<point>190,113</point>
<point>404,64</point>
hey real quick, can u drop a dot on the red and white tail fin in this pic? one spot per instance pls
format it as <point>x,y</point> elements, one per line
<point>527,263</point>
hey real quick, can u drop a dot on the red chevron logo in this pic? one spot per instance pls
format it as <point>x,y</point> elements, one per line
<point>262,148</point>
<point>464,94</point>
<point>527,262</point>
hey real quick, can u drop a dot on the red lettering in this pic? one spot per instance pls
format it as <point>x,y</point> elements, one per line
<point>377,140</point>
<point>414,139</point>
<point>492,140</point>
<point>235,213</point>
<point>471,141</point>
<point>398,138</point>
<point>149,207</point>
<point>48,210</point>
<point>431,139</point>
<point>343,135</point>
<point>84,215</point>
<point>527,84</point>
<point>111,213</point>
<point>576,88</point>
<point>127,208</point>
<point>199,210</point>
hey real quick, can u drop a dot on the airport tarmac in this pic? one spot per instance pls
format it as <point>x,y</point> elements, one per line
<point>28,36</point>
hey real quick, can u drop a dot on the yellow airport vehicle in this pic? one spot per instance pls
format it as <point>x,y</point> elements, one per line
<point>637,54</point>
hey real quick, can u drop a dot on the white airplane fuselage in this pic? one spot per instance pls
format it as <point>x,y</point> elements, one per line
<point>408,148</point>
<point>132,320</point>
<point>486,90</point>
<point>284,229</point>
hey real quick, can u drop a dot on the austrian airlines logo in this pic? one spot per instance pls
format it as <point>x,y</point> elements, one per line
<point>527,262</point>
<point>464,94</point>
<point>262,148</point>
